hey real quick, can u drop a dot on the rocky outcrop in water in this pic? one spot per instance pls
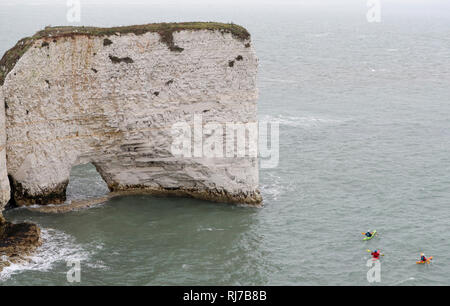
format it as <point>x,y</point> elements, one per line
<point>17,241</point>
<point>110,96</point>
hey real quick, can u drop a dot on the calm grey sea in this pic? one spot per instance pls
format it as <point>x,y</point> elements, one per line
<point>364,118</point>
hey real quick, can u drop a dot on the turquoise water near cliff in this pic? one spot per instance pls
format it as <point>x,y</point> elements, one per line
<point>364,144</point>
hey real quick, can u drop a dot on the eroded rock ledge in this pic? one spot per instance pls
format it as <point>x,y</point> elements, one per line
<point>110,96</point>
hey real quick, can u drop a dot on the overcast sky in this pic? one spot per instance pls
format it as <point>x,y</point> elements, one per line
<point>310,3</point>
<point>441,7</point>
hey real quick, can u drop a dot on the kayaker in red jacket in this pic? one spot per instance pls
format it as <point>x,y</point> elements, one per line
<point>376,254</point>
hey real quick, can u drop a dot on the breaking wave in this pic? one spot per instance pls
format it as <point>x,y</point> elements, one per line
<point>56,247</point>
<point>272,187</point>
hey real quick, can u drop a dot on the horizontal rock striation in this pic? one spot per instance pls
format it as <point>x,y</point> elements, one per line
<point>111,97</point>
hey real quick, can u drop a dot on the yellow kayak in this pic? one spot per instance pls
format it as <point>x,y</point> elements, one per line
<point>426,261</point>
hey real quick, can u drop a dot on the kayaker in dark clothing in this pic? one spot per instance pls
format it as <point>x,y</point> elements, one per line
<point>369,234</point>
<point>422,257</point>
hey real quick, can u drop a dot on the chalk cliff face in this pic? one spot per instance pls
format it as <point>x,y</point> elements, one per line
<point>4,184</point>
<point>111,98</point>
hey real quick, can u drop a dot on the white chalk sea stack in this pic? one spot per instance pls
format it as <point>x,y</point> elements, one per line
<point>110,96</point>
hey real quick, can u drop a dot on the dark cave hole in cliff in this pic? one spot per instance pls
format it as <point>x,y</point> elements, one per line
<point>85,183</point>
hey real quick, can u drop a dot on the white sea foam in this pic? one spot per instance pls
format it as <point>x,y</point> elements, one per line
<point>98,265</point>
<point>300,121</point>
<point>57,247</point>
<point>409,279</point>
<point>209,229</point>
<point>274,188</point>
<point>324,34</point>
<point>279,80</point>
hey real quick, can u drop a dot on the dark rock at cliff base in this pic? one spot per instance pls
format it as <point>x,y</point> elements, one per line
<point>17,241</point>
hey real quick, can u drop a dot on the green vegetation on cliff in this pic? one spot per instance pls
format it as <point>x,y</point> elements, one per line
<point>165,30</point>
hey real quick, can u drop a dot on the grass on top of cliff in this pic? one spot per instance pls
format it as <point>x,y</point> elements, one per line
<point>165,30</point>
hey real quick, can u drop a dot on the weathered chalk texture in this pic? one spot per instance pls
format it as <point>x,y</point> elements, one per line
<point>4,184</point>
<point>111,99</point>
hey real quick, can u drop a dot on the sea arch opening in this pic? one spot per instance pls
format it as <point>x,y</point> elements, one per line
<point>85,182</point>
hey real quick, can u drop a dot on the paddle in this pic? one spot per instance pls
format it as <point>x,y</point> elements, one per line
<point>428,260</point>
<point>372,233</point>
<point>371,252</point>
